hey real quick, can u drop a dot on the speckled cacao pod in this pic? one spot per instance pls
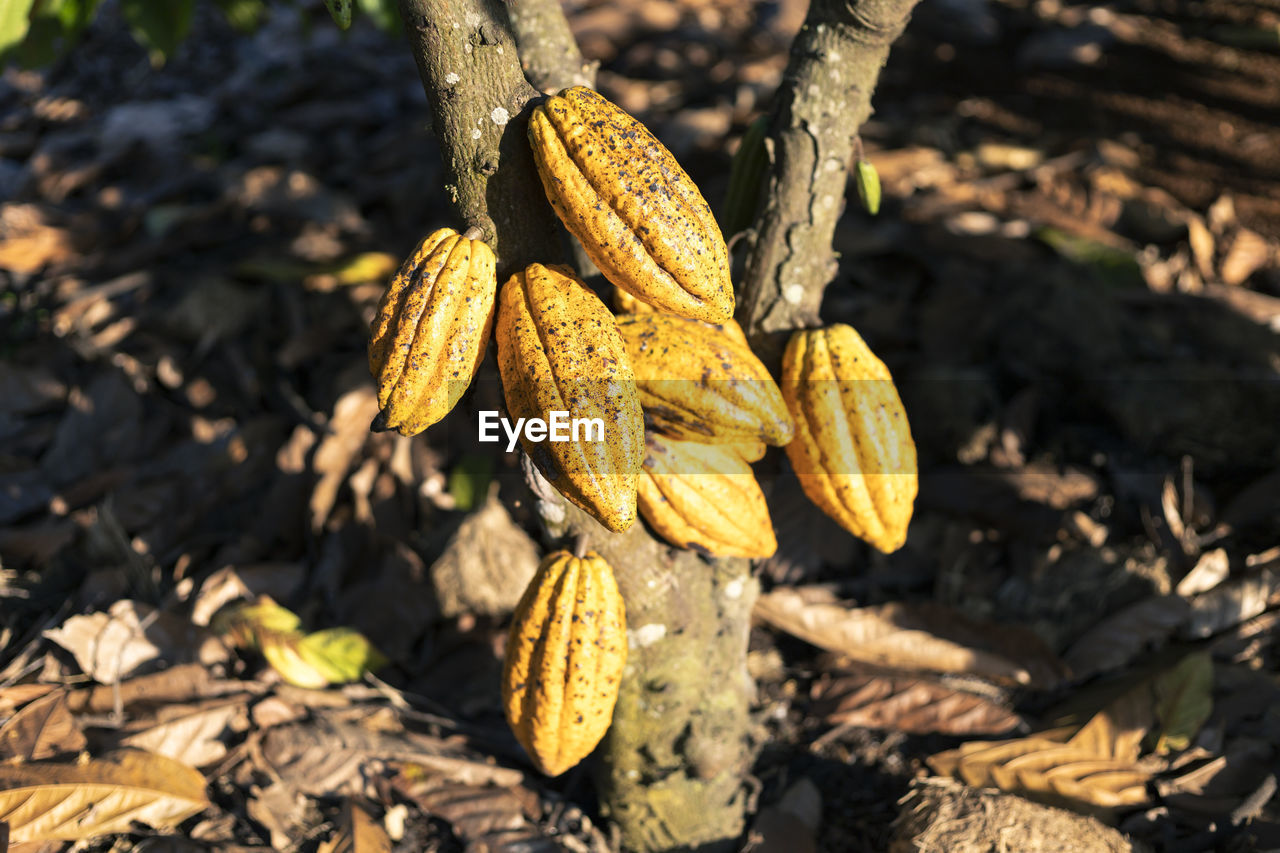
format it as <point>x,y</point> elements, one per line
<point>625,303</point>
<point>704,496</point>
<point>430,331</point>
<point>637,214</point>
<point>853,450</point>
<point>698,383</point>
<point>559,351</point>
<point>565,653</point>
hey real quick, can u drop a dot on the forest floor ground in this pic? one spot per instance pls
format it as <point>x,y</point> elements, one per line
<point>1075,279</point>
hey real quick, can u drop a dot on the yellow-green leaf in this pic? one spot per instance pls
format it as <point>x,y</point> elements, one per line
<point>340,654</point>
<point>868,182</point>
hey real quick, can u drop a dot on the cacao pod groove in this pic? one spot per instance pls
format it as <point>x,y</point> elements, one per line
<point>699,383</point>
<point>622,194</point>
<point>853,451</point>
<point>566,650</point>
<point>705,496</point>
<point>559,350</point>
<point>430,330</point>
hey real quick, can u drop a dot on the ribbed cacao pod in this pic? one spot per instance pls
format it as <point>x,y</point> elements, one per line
<point>704,496</point>
<point>559,351</point>
<point>565,653</point>
<point>430,331</point>
<point>853,451</point>
<point>699,383</point>
<point>750,451</point>
<point>637,214</point>
<point>625,303</point>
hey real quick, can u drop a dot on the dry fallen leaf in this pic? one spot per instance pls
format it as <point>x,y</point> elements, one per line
<point>486,565</point>
<point>486,817</point>
<point>907,703</point>
<point>912,637</point>
<point>42,729</point>
<point>43,801</point>
<point>324,756</point>
<point>1121,637</point>
<point>190,736</point>
<point>1233,602</point>
<point>109,646</point>
<point>340,449</point>
<point>357,833</point>
<point>1098,765</point>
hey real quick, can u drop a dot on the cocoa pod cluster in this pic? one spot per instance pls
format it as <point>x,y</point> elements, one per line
<point>686,404</point>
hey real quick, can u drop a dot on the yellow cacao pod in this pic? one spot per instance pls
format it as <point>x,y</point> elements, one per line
<point>625,303</point>
<point>559,351</point>
<point>430,331</point>
<point>699,383</point>
<point>565,653</point>
<point>637,214</point>
<point>750,451</point>
<point>853,450</point>
<point>704,496</point>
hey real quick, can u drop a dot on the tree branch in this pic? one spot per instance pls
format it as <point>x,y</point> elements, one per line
<point>470,70</point>
<point>548,50</point>
<point>824,98</point>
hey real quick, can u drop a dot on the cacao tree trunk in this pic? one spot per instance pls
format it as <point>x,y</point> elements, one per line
<point>675,769</point>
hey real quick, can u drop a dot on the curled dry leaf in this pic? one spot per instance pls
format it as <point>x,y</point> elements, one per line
<point>42,729</point>
<point>109,646</point>
<point>1211,569</point>
<point>485,817</point>
<point>47,802</point>
<point>908,704</point>
<point>340,449</point>
<point>324,757</point>
<point>1098,765</point>
<point>912,637</point>
<point>486,565</point>
<point>1232,603</point>
<point>191,736</point>
<point>1121,637</point>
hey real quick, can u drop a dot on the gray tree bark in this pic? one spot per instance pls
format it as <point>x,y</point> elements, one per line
<point>676,762</point>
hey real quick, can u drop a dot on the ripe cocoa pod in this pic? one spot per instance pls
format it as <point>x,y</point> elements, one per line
<point>853,451</point>
<point>704,496</point>
<point>750,451</point>
<point>559,351</point>
<point>637,214</point>
<point>565,653</point>
<point>699,383</point>
<point>625,303</point>
<point>430,331</point>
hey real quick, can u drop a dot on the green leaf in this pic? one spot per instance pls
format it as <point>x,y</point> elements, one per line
<point>249,623</point>
<point>385,14</point>
<point>159,25</point>
<point>746,176</point>
<point>341,12</point>
<point>339,654</point>
<point>469,480</point>
<point>1184,700</point>
<point>867,180</point>
<point>243,15</point>
<point>15,20</point>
